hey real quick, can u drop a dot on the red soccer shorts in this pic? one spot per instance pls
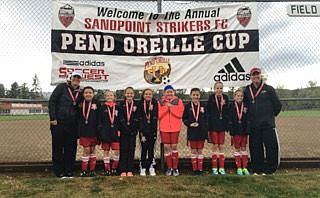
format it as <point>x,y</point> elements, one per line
<point>169,137</point>
<point>240,141</point>
<point>88,141</point>
<point>217,137</point>
<point>196,144</point>
<point>113,146</point>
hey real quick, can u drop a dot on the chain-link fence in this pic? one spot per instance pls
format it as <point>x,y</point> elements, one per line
<point>288,46</point>
<point>25,134</point>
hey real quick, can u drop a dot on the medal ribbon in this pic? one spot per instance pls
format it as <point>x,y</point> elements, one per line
<point>219,105</point>
<point>86,115</point>
<point>239,112</point>
<point>71,95</point>
<point>195,114</point>
<point>258,92</point>
<point>111,114</point>
<point>148,114</point>
<point>129,112</point>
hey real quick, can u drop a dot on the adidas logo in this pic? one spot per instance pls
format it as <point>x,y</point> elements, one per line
<point>232,72</point>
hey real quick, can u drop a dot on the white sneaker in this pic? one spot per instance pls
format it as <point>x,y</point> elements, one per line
<point>152,172</point>
<point>143,172</point>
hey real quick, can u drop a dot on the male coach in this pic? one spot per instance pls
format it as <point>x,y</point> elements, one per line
<point>263,106</point>
<point>63,113</point>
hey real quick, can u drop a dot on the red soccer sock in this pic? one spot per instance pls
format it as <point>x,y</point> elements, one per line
<point>93,162</point>
<point>194,162</point>
<point>175,159</point>
<point>168,159</point>
<point>115,162</point>
<point>106,162</point>
<point>221,160</point>
<point>200,162</point>
<point>244,159</point>
<point>214,160</point>
<point>237,158</point>
<point>84,164</point>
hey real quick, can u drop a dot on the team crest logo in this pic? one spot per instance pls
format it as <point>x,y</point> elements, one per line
<point>157,70</point>
<point>244,16</point>
<point>66,15</point>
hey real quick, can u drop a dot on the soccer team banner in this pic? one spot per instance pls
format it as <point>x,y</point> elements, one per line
<point>115,48</point>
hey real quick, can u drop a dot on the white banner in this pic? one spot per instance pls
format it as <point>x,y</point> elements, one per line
<point>115,48</point>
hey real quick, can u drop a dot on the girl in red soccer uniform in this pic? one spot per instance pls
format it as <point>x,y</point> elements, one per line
<point>109,133</point>
<point>194,118</point>
<point>170,119</point>
<point>239,130</point>
<point>88,132</point>
<point>217,114</point>
<point>148,125</point>
<point>128,117</point>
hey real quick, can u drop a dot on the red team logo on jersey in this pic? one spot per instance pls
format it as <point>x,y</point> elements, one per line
<point>244,16</point>
<point>66,15</point>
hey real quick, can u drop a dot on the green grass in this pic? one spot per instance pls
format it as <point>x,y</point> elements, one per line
<point>283,184</point>
<point>24,117</point>
<point>300,113</point>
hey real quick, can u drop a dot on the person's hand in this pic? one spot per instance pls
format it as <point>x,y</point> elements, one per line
<point>169,104</point>
<point>143,139</point>
<point>53,122</point>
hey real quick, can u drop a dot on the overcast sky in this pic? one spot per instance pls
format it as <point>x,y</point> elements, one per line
<point>289,46</point>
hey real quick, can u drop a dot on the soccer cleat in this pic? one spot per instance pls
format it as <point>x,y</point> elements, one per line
<point>195,173</point>
<point>214,171</point>
<point>222,171</point>
<point>200,172</point>
<point>84,174</point>
<point>106,173</point>
<point>175,172</point>
<point>263,174</point>
<point>123,174</point>
<point>245,172</point>
<point>152,172</point>
<point>129,174</point>
<point>169,172</point>
<point>240,171</point>
<point>114,172</point>
<point>143,172</point>
<point>92,174</point>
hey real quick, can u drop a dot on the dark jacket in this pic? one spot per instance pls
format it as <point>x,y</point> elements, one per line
<point>107,133</point>
<point>148,129</point>
<point>61,106</point>
<point>266,106</point>
<point>195,133</point>
<point>213,116</point>
<point>90,129</point>
<point>131,129</point>
<point>235,127</point>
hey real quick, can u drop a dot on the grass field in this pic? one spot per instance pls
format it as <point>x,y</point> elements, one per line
<point>28,138</point>
<point>292,183</point>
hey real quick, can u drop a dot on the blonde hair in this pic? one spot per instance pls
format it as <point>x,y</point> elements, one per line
<point>238,91</point>
<point>216,83</point>
<point>109,91</point>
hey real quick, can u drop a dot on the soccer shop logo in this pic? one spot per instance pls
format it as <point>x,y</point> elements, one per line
<point>231,72</point>
<point>244,16</point>
<point>157,70</point>
<point>66,15</point>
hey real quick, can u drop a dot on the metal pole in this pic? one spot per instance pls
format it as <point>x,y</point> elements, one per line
<point>159,5</point>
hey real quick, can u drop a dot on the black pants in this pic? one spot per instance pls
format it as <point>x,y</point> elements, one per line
<point>268,139</point>
<point>64,148</point>
<point>147,149</point>
<point>127,149</point>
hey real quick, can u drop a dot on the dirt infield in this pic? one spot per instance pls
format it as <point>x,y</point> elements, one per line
<point>30,140</point>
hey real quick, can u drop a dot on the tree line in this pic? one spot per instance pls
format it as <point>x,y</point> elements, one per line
<point>23,91</point>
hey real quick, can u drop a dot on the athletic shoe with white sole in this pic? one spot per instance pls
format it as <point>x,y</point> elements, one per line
<point>152,172</point>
